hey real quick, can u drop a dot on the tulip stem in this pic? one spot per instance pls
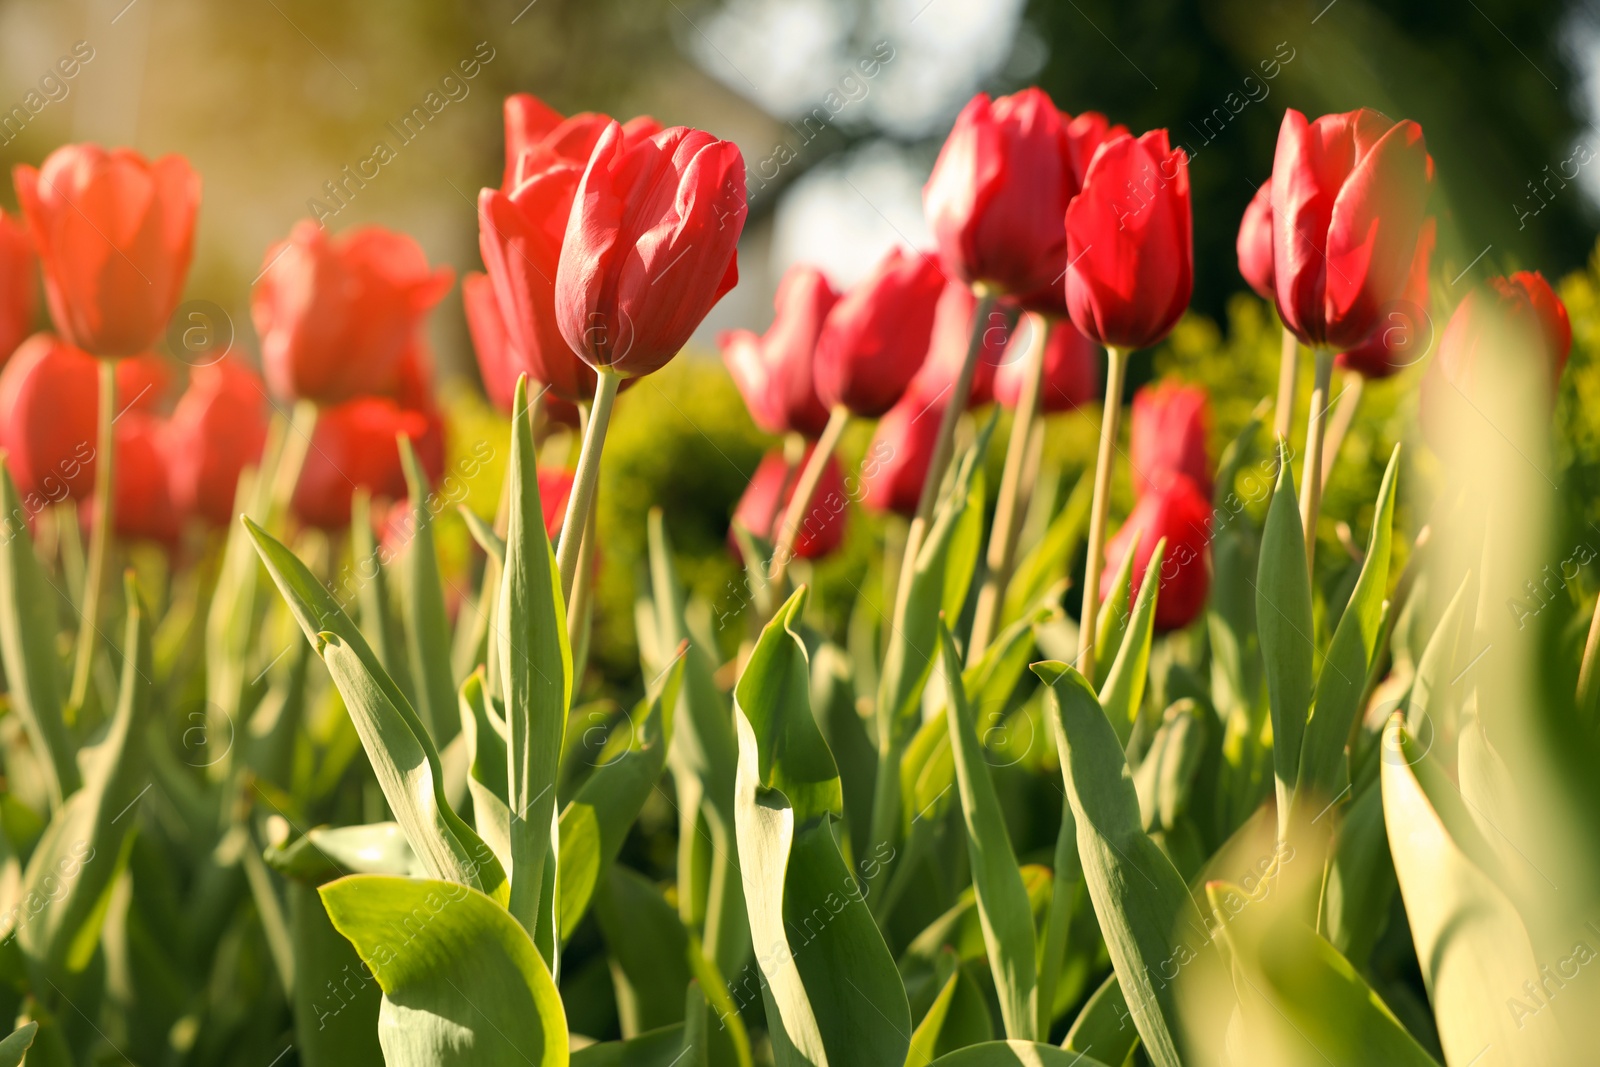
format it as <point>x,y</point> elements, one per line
<point>291,459</point>
<point>99,535</point>
<point>1344,414</point>
<point>1591,652</point>
<point>1311,472</point>
<point>1110,423</point>
<point>1003,534</point>
<point>804,490</point>
<point>1288,372</point>
<point>585,478</point>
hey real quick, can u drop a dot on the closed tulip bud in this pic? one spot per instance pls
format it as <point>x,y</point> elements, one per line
<point>48,398</point>
<point>1071,370</point>
<point>1348,193</point>
<point>19,291</point>
<point>766,500</point>
<point>650,246</point>
<point>1405,330</point>
<point>1168,433</point>
<point>896,463</point>
<point>497,364</point>
<point>217,429</point>
<point>774,371</point>
<point>144,509</point>
<point>1255,243</point>
<point>537,132</point>
<point>948,344</point>
<point>1172,508</point>
<point>1130,242</point>
<point>115,233</point>
<point>335,314</point>
<point>876,337</point>
<point>354,445</point>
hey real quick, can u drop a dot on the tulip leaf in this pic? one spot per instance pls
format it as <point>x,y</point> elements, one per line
<point>958,1017</point>
<point>1015,1054</point>
<point>462,982</point>
<point>1046,563</point>
<point>1066,882</point>
<point>16,1045</point>
<point>378,624</point>
<point>1150,922</point>
<point>493,545</point>
<point>661,1047</point>
<point>484,732</point>
<point>1283,620</point>
<point>27,646</point>
<point>1123,693</point>
<point>1115,617</point>
<point>1104,1024</point>
<point>426,624</point>
<point>1002,900</point>
<point>1322,770</point>
<point>832,992</point>
<point>535,674</point>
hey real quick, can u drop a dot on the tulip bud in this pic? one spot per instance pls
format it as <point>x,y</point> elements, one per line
<point>537,135</point>
<point>1168,433</point>
<point>948,343</point>
<point>19,292</point>
<point>144,508</point>
<point>335,314</point>
<point>1071,369</point>
<point>1172,508</point>
<point>896,463</point>
<point>774,371</point>
<point>762,508</point>
<point>354,445</point>
<point>143,382</point>
<point>1255,243</point>
<point>650,246</point>
<point>1348,193</point>
<point>1405,330</point>
<point>114,233</point>
<point>48,404</point>
<point>496,363</point>
<point>217,430</point>
<point>1130,245</point>
<point>876,337</point>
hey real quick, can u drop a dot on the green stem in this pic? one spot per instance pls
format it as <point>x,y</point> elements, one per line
<point>1311,472</point>
<point>586,478</point>
<point>804,490</point>
<point>1110,421</point>
<point>99,536</point>
<point>1288,370</point>
<point>291,459</point>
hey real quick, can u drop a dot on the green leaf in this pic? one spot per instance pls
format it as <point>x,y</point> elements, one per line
<point>1283,619</point>
<point>493,545</point>
<point>535,672</point>
<point>462,982</point>
<point>1066,883</point>
<point>832,992</point>
<point>484,733</point>
<point>1151,924</point>
<point>597,820</point>
<point>426,624</point>
<point>1104,1025</point>
<point>1360,882</point>
<point>1046,563</point>
<point>662,1047</point>
<point>958,1017</point>
<point>1166,774</point>
<point>1123,693</point>
<point>378,624</point>
<point>28,628</point>
<point>335,1002</point>
<point>17,1044</point>
<point>1015,1054</point>
<point>1114,617</point>
<point>1322,771</point>
<point>1002,899</point>
<point>327,852</point>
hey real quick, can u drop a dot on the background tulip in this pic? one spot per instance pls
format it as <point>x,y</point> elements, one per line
<point>19,291</point>
<point>948,343</point>
<point>115,233</point>
<point>497,366</point>
<point>335,314</point>
<point>1173,508</point>
<point>555,485</point>
<point>1130,244</point>
<point>774,371</point>
<point>1071,369</point>
<point>48,396</point>
<point>217,429</point>
<point>896,463</point>
<point>1168,433</point>
<point>354,445</point>
<point>144,508</point>
<point>1255,243</point>
<point>1405,330</point>
<point>144,382</point>
<point>650,246</point>
<point>877,335</point>
<point>1348,193</point>
<point>771,489</point>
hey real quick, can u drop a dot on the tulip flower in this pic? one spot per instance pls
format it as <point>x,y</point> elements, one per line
<point>19,291</point>
<point>649,247</point>
<point>1348,193</point>
<point>534,128</point>
<point>335,314</point>
<point>144,508</point>
<point>1255,243</point>
<point>1173,508</point>
<point>877,335</point>
<point>114,233</point>
<point>1405,331</point>
<point>143,382</point>
<point>217,430</point>
<point>497,365</point>
<point>354,445</point>
<point>555,485</point>
<point>774,371</point>
<point>1071,370</point>
<point>896,463</point>
<point>1168,433</point>
<point>48,396</point>
<point>953,322</point>
<point>822,528</point>
<point>1130,245</point>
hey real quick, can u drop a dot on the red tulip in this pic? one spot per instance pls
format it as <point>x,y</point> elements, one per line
<point>760,508</point>
<point>774,371</point>
<point>1168,433</point>
<point>1071,370</point>
<point>354,445</point>
<point>1348,193</point>
<point>948,344</point>
<point>144,509</point>
<point>19,291</point>
<point>555,485</point>
<point>1255,243</point>
<point>650,246</point>
<point>535,128</point>
<point>1405,331</point>
<point>496,363</point>
<point>877,335</point>
<point>143,382</point>
<point>1130,244</point>
<point>336,314</point>
<point>896,463</point>
<point>1174,509</point>
<point>48,398</point>
<point>217,429</point>
<point>115,233</point>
